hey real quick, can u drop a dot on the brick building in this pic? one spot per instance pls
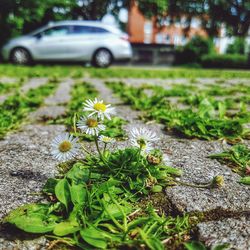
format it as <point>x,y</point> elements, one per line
<point>142,30</point>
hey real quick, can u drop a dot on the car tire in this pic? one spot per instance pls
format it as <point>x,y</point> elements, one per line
<point>20,56</point>
<point>102,58</point>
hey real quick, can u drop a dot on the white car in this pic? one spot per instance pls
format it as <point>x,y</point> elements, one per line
<point>74,41</point>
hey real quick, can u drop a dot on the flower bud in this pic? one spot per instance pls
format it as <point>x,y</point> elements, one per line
<point>218,181</point>
<point>247,170</point>
<point>153,159</point>
<point>156,189</point>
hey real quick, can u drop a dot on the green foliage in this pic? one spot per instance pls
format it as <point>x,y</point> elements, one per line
<point>151,8</point>
<point>16,107</point>
<point>96,205</point>
<point>194,245</point>
<point>245,180</point>
<point>207,120</point>
<point>237,47</point>
<point>18,17</point>
<point>195,49</point>
<point>80,92</point>
<point>7,87</point>
<point>237,158</point>
<point>33,218</point>
<point>234,61</point>
<point>117,72</point>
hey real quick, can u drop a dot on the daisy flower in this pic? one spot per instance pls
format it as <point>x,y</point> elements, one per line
<point>90,125</point>
<point>106,139</point>
<point>64,147</point>
<point>99,108</point>
<point>143,138</point>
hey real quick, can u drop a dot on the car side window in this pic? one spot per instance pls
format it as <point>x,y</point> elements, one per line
<point>80,29</point>
<point>56,31</point>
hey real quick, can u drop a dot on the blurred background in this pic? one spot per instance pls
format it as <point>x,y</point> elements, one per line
<point>201,33</point>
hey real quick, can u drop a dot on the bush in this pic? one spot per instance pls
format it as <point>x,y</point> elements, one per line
<point>194,50</point>
<point>237,47</point>
<point>235,61</point>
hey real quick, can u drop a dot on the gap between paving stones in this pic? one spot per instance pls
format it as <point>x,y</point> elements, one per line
<point>233,200</point>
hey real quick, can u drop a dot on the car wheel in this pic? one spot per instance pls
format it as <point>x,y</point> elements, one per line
<point>20,56</point>
<point>102,58</point>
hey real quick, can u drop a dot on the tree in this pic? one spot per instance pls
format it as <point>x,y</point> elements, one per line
<point>235,14</point>
<point>23,16</point>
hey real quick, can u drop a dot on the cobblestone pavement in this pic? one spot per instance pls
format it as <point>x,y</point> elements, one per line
<point>25,164</point>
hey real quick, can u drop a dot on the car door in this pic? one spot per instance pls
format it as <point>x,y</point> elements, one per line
<point>84,41</point>
<point>52,44</point>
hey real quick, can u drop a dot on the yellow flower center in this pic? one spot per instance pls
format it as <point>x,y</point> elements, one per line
<point>92,123</point>
<point>142,143</point>
<point>106,139</point>
<point>65,146</point>
<point>100,107</point>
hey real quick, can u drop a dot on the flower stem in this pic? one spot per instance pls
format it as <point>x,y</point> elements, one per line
<point>100,153</point>
<point>207,185</point>
<point>84,149</point>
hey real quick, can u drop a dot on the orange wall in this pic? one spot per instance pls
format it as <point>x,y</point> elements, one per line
<point>136,23</point>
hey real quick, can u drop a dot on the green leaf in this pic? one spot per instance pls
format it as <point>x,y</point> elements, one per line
<point>66,227</point>
<point>221,247</point>
<point>194,245</point>
<point>32,218</point>
<point>245,180</point>
<point>78,193</point>
<point>172,171</point>
<point>62,191</point>
<point>94,237</point>
<point>78,173</point>
<point>116,211</point>
<point>151,242</point>
<point>49,187</point>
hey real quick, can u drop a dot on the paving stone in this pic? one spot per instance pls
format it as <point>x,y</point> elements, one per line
<point>53,104</point>
<point>33,83</point>
<point>8,80</point>
<point>191,157</point>
<point>62,94</point>
<point>236,232</point>
<point>3,97</point>
<point>47,112</point>
<point>25,165</point>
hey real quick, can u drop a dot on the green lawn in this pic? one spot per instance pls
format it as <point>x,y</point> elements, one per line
<point>115,71</point>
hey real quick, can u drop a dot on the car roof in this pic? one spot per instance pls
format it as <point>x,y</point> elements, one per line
<point>110,28</point>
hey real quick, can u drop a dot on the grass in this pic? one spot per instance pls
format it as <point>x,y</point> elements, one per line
<point>17,106</point>
<point>202,117</point>
<point>77,71</point>
<point>80,92</point>
<point>237,158</point>
<point>8,87</point>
